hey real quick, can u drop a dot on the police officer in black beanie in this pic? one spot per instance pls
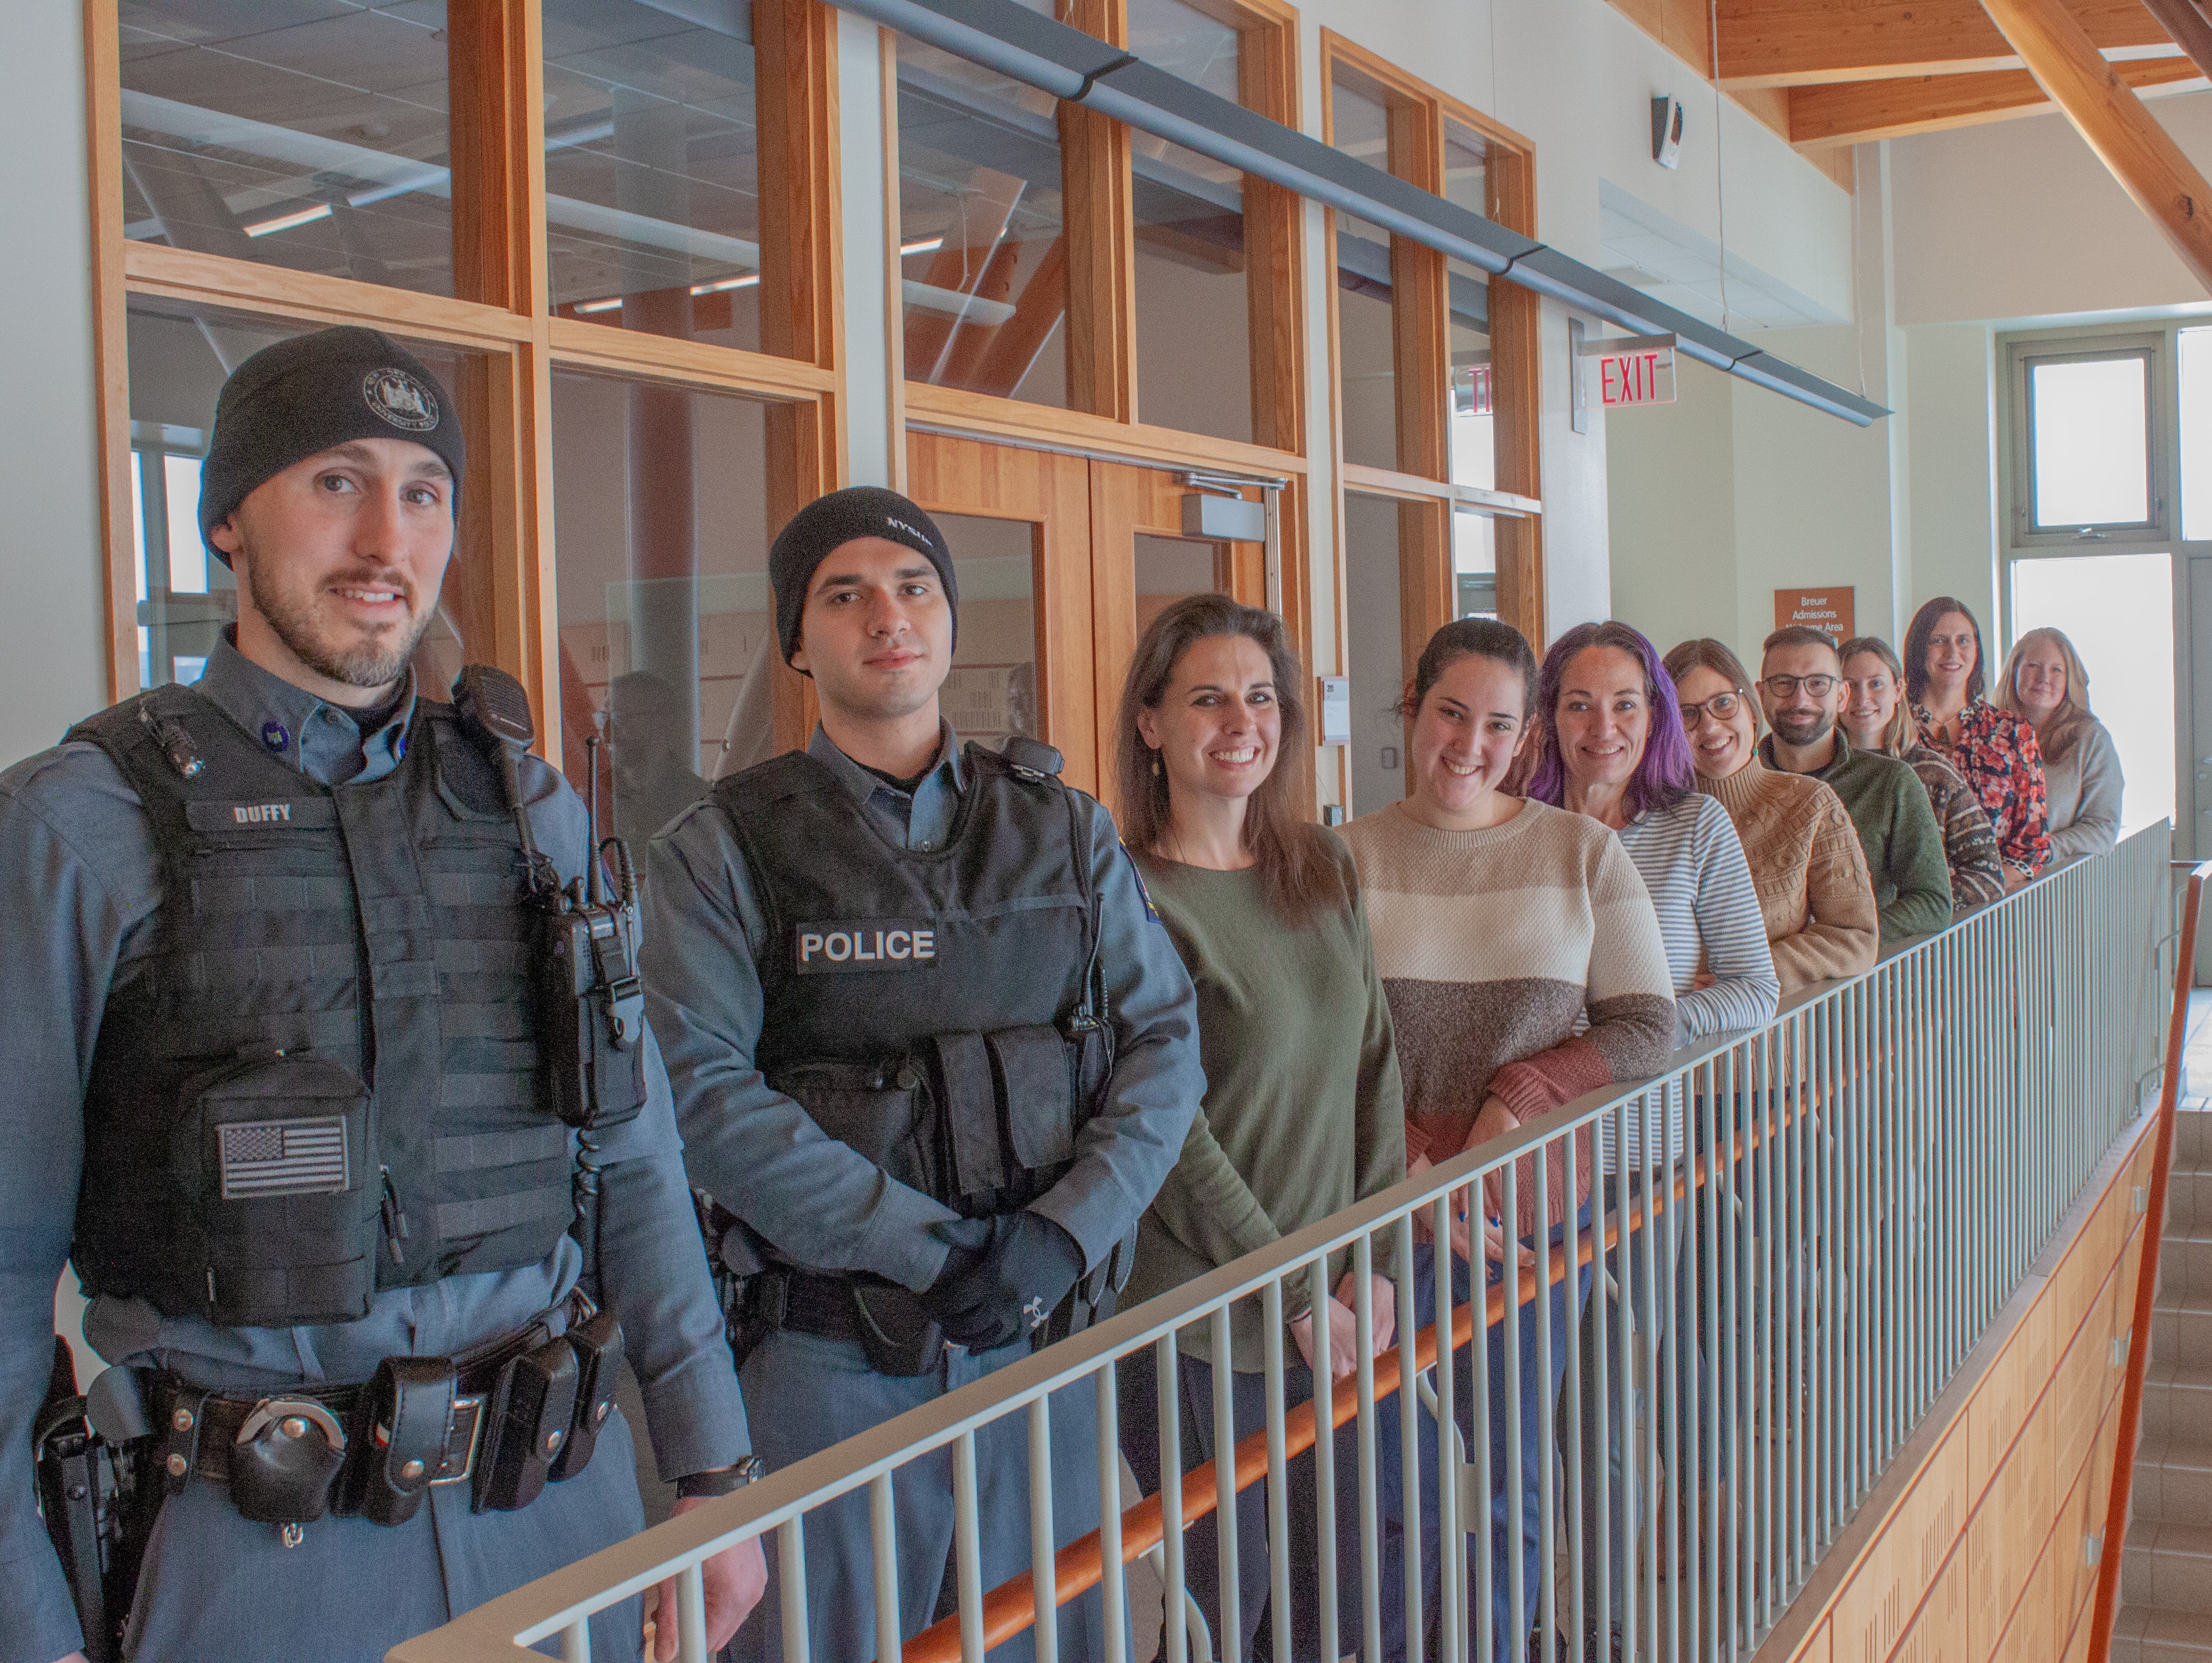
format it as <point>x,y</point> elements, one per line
<point>933,1055</point>
<point>277,1088</point>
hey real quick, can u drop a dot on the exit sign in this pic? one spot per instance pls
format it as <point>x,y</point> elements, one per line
<point>1625,373</point>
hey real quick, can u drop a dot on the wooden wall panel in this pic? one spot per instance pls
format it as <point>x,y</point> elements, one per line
<point>1938,1632</point>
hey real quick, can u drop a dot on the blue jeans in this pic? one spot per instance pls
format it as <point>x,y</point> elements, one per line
<point>1516,1445</point>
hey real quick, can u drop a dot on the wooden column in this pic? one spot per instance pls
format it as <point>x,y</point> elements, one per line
<point>2106,111</point>
<point>1517,369</point>
<point>110,345</point>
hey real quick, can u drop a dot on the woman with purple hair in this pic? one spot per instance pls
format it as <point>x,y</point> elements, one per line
<point>1614,749</point>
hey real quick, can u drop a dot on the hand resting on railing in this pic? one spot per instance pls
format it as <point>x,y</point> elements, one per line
<point>1494,1232</point>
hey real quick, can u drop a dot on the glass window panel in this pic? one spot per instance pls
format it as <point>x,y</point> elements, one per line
<point>983,262</point>
<point>1474,389</point>
<point>1467,168</point>
<point>1194,311</point>
<point>308,134</point>
<point>1366,350</point>
<point>1168,568</point>
<point>179,355</point>
<point>667,637</point>
<point>991,692</point>
<point>652,167</point>
<point>2117,610</point>
<point>2195,368</point>
<point>1474,564</point>
<point>1375,643</point>
<point>2091,450</point>
<point>1359,123</point>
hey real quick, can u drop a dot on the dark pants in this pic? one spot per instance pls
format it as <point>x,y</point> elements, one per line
<point>804,1392</point>
<point>1140,1443</point>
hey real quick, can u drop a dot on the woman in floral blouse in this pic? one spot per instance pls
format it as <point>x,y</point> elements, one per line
<point>1993,748</point>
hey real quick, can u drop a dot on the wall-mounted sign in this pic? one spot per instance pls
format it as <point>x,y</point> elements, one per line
<point>1336,703</point>
<point>1830,609</point>
<point>1618,374</point>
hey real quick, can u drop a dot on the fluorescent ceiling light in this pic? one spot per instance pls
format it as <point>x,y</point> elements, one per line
<point>288,222</point>
<point>926,246</point>
<point>746,281</point>
<point>608,305</point>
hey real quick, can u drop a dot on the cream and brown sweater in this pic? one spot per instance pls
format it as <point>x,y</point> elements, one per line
<point>1810,870</point>
<point>1490,945</point>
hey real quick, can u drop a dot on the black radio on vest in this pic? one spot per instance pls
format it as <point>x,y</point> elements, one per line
<point>591,1004</point>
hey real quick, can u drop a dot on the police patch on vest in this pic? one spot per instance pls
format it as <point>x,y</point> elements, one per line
<point>262,1158</point>
<point>401,399</point>
<point>824,948</point>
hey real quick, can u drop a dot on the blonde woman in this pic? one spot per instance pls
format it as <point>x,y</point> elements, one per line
<point>1877,719</point>
<point>2046,687</point>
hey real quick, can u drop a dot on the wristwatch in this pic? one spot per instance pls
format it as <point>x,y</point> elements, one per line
<point>694,1486</point>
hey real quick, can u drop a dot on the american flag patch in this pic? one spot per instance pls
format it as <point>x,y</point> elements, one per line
<point>284,1158</point>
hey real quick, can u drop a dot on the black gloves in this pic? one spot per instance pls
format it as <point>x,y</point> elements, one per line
<point>1004,1277</point>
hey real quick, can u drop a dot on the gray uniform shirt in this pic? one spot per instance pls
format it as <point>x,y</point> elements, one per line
<point>79,881</point>
<point>762,1156</point>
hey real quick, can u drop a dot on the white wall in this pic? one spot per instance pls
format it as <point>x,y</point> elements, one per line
<point>52,635</point>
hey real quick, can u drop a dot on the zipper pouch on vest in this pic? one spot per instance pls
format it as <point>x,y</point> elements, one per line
<point>273,1154</point>
<point>881,1112</point>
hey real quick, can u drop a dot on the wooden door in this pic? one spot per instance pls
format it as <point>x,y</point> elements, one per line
<point>1016,668</point>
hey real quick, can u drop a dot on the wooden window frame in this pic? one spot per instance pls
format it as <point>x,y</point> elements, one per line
<point>1105,399</point>
<point>1421,358</point>
<point>503,585</point>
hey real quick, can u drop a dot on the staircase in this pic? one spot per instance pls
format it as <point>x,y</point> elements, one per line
<point>2166,1581</point>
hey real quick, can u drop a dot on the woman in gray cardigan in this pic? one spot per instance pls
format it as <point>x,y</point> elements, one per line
<point>2046,687</point>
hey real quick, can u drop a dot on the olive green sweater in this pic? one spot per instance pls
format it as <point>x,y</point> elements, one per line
<point>1897,828</point>
<point>1303,1114</point>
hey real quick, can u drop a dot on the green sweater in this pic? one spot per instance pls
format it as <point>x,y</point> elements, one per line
<point>1304,1113</point>
<point>1896,827</point>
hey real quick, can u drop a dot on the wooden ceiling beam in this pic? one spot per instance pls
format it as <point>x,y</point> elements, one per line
<point>2148,165</point>
<point>1785,43</point>
<point>1861,112</point>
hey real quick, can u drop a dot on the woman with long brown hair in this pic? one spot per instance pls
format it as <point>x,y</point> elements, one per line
<point>2047,687</point>
<point>1877,719</point>
<point>1303,1114</point>
<point>1945,677</point>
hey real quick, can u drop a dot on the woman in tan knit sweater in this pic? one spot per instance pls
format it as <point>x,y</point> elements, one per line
<point>1807,861</point>
<point>1496,923</point>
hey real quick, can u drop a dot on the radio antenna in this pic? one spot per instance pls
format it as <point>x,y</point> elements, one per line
<point>596,890</point>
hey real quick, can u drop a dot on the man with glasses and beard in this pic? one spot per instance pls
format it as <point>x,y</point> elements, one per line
<point>1802,691</point>
<point>283,1087</point>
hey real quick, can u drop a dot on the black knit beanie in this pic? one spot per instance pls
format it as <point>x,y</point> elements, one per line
<point>828,523</point>
<point>300,397</point>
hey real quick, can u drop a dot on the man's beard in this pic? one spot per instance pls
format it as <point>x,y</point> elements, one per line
<point>376,662</point>
<point>1820,728</point>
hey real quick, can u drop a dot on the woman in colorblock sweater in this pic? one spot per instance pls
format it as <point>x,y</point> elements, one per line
<point>1498,924</point>
<point>1806,857</point>
<point>1303,1114</point>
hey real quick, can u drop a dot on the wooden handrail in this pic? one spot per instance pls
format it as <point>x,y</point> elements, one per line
<point>1010,1609</point>
<point>2107,1611</point>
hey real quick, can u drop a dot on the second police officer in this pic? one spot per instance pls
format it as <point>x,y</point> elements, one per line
<point>931,1049</point>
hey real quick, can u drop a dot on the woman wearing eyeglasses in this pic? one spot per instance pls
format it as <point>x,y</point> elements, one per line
<point>1875,719</point>
<point>1807,862</point>
<point>1994,750</point>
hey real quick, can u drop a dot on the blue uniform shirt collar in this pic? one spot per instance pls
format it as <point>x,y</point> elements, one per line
<point>920,820</point>
<point>321,740</point>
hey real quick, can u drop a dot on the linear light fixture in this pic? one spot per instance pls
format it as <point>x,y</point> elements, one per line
<point>750,279</point>
<point>586,307</point>
<point>926,246</point>
<point>1037,52</point>
<point>289,222</point>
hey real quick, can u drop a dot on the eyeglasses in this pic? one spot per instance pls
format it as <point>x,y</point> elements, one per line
<point>1783,687</point>
<point>1721,707</point>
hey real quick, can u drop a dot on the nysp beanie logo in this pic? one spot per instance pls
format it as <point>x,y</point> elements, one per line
<point>401,399</point>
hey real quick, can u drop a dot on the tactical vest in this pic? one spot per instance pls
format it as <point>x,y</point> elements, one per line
<point>324,1081</point>
<point>929,1008</point>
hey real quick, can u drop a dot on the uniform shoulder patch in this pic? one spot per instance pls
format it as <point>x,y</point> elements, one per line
<point>1144,891</point>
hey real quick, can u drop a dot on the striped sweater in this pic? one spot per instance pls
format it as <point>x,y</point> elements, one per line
<point>1490,945</point>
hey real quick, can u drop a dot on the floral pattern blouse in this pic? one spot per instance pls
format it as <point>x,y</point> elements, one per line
<point>1998,754</point>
